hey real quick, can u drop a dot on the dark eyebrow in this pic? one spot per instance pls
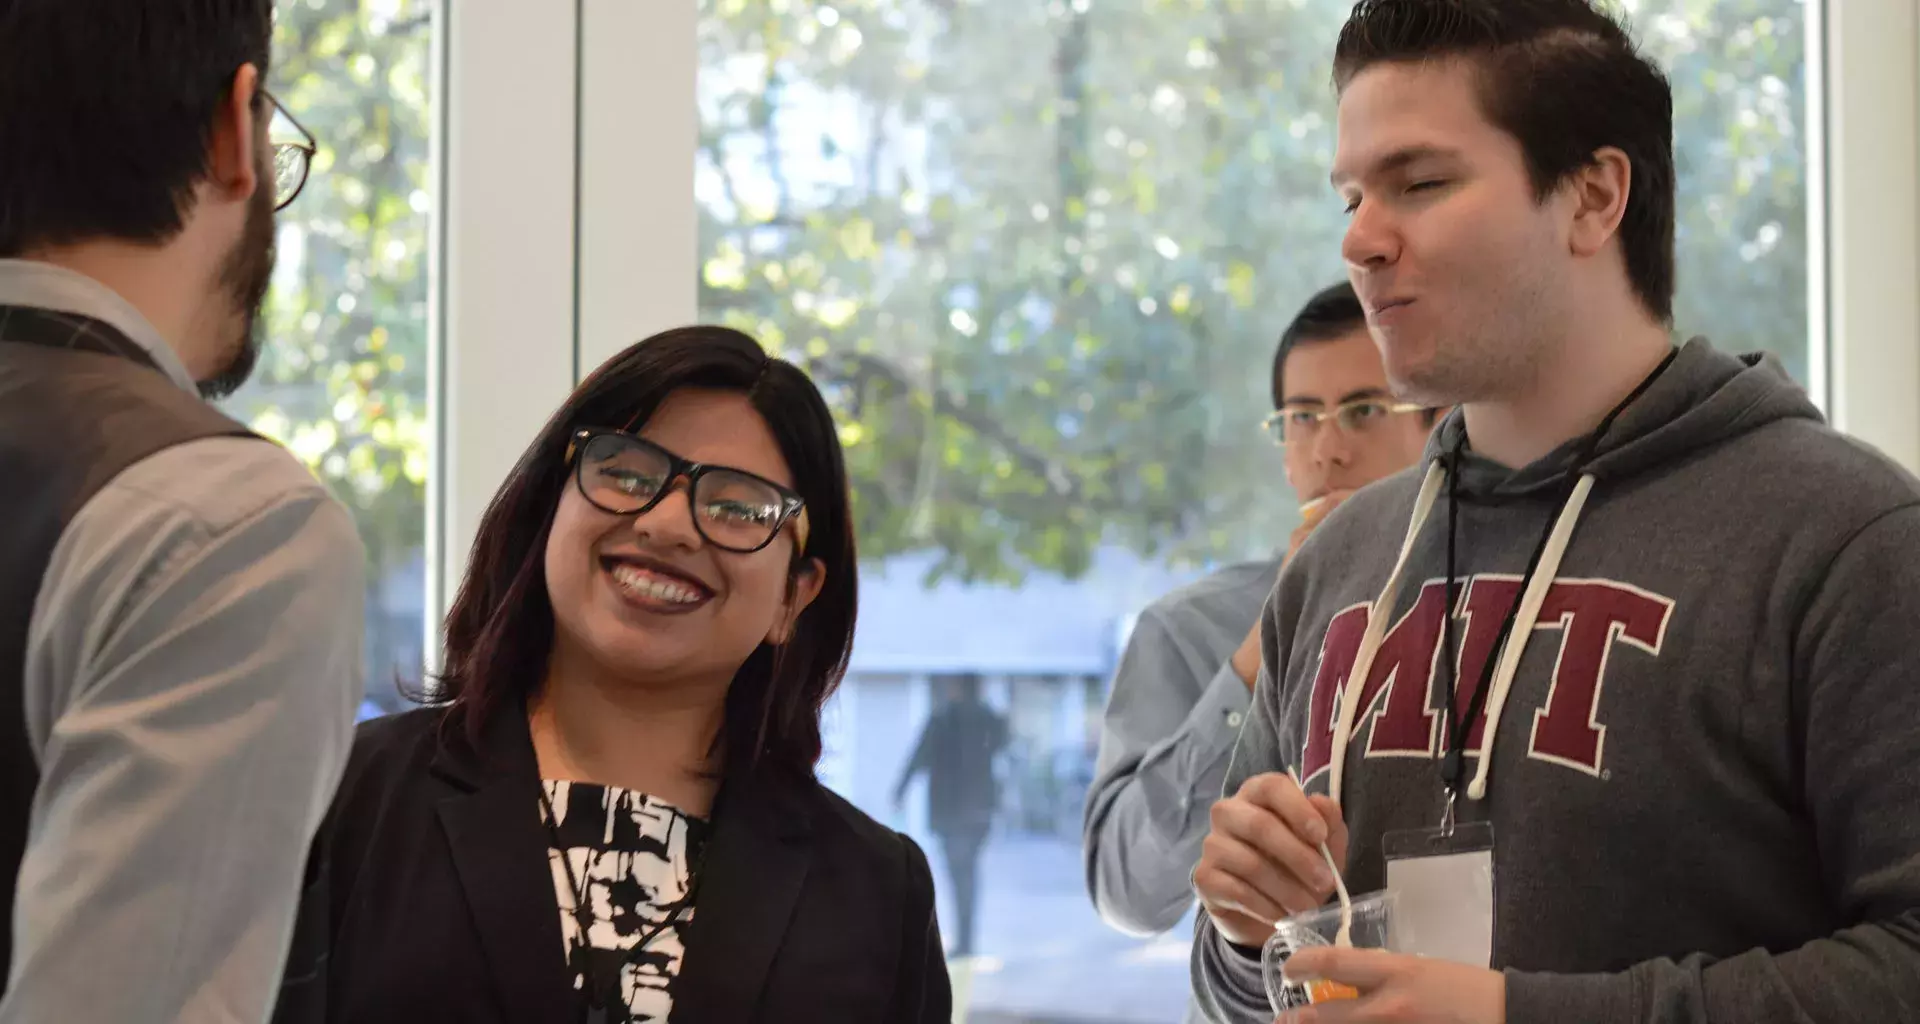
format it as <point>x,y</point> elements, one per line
<point>1398,160</point>
<point>1351,396</point>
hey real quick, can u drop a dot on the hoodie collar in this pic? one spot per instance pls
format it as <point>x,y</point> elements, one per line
<point>1706,396</point>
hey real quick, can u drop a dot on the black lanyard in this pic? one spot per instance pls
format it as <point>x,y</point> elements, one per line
<point>601,993</point>
<point>1453,760</point>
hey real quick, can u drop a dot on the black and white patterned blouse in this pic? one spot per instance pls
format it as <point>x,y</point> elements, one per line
<point>632,854</point>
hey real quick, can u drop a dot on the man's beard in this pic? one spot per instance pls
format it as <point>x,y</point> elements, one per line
<point>245,276</point>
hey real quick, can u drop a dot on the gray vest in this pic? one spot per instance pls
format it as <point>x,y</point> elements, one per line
<point>79,403</point>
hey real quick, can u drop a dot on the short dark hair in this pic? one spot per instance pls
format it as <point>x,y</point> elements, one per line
<point>107,110</point>
<point>500,629</point>
<point>1564,79</point>
<point>1332,313</point>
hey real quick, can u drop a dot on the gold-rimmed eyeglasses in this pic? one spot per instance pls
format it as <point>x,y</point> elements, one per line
<point>1297,422</point>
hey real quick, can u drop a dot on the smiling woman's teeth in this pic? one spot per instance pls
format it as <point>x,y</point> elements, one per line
<point>645,584</point>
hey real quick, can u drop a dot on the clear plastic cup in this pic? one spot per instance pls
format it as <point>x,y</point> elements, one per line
<point>1372,929</point>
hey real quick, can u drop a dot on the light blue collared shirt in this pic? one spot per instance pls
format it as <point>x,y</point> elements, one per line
<point>192,671</point>
<point>1172,717</point>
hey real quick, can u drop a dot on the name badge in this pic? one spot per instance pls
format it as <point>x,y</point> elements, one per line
<point>1442,880</point>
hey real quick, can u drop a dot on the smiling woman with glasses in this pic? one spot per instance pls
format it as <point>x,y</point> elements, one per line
<point>610,812</point>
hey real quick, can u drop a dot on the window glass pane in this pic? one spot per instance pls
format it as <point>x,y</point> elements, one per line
<point>1038,255</point>
<point>343,378</point>
<point>1740,136</point>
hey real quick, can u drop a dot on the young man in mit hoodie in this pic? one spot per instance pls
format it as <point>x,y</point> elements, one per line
<point>1650,635</point>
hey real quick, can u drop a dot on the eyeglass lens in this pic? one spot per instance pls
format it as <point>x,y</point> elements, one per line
<point>289,172</point>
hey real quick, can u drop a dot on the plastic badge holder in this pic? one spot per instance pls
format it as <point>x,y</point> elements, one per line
<point>1444,882</point>
<point>1372,929</point>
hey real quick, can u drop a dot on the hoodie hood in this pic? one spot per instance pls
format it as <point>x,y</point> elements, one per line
<point>1703,398</point>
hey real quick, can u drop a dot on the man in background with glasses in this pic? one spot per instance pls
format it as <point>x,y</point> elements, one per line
<point>180,601</point>
<point>1185,681</point>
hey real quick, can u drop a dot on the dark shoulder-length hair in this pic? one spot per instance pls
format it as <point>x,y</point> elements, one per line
<point>500,630</point>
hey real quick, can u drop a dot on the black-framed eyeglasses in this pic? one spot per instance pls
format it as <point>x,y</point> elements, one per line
<point>1295,423</point>
<point>733,509</point>
<point>291,160</point>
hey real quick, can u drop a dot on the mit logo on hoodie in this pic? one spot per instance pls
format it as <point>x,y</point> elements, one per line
<point>1403,691</point>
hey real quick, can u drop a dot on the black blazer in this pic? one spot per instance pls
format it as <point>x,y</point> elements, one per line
<point>429,899</point>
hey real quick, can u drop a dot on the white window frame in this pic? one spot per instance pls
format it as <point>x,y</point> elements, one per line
<point>640,228</point>
<point>505,290</point>
<point>1872,220</point>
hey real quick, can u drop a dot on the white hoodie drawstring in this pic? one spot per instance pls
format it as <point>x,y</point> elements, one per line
<point>1376,630</point>
<point>1510,652</point>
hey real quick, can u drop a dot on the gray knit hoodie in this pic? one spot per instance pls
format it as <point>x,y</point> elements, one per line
<point>1705,763</point>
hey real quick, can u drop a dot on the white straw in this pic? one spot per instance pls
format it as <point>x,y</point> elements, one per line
<point>1343,937</point>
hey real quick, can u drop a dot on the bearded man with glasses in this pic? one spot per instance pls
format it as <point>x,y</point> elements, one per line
<point>180,600</point>
<point>1185,682</point>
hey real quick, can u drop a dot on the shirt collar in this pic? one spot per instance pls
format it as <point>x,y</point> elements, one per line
<point>45,286</point>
